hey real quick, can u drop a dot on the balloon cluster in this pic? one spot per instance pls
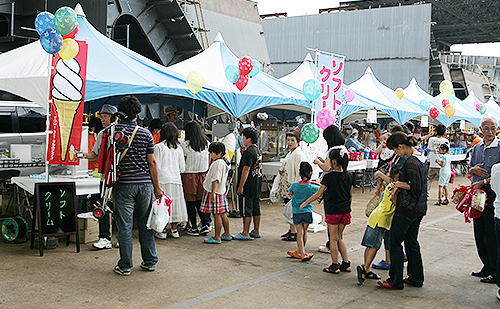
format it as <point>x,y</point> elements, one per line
<point>239,75</point>
<point>446,88</point>
<point>480,107</point>
<point>57,32</point>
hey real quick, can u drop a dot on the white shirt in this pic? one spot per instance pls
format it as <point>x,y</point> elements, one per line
<point>170,163</point>
<point>292,165</point>
<point>433,145</point>
<point>196,161</point>
<point>218,171</point>
<point>495,186</point>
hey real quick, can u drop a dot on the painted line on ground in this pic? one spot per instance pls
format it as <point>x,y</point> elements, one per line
<point>279,273</point>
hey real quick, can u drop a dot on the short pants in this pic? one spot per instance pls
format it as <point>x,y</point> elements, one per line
<point>303,218</point>
<point>444,179</point>
<point>249,206</point>
<point>373,237</point>
<point>344,219</point>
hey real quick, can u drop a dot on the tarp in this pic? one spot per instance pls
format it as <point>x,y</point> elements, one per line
<point>416,94</point>
<point>114,70</point>
<point>469,101</point>
<point>493,108</point>
<point>400,110</point>
<point>261,91</point>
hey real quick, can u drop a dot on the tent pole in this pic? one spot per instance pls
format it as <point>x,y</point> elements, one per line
<point>47,121</point>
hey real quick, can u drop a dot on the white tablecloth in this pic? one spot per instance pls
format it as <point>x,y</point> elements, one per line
<point>357,165</point>
<point>458,157</point>
<point>271,168</point>
<point>84,186</point>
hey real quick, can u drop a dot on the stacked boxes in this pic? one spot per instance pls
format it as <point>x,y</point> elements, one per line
<point>88,230</point>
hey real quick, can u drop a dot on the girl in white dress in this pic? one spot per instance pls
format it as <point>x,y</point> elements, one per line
<point>170,159</point>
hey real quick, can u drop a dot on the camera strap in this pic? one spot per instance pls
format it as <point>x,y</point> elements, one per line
<point>129,143</point>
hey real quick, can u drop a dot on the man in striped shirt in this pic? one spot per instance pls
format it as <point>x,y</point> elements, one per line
<point>133,192</point>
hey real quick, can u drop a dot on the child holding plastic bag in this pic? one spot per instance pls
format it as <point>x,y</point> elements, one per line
<point>302,215</point>
<point>214,198</point>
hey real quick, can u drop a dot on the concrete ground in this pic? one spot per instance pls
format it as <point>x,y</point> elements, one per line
<point>249,274</point>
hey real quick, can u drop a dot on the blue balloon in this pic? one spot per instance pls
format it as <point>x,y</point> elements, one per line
<point>51,40</point>
<point>44,21</point>
<point>255,70</point>
<point>452,99</point>
<point>311,89</point>
<point>232,73</point>
<point>425,105</point>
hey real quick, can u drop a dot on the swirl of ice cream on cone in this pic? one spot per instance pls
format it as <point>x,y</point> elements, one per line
<point>67,97</point>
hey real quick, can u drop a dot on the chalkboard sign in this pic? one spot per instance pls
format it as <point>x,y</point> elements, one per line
<point>56,209</point>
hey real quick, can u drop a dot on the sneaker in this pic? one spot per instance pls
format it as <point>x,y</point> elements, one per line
<point>205,230</point>
<point>324,249</point>
<point>117,245</point>
<point>148,267</point>
<point>121,272</point>
<point>161,235</point>
<point>193,232</point>
<point>181,226</point>
<point>103,243</point>
<point>174,234</point>
<point>498,294</point>
<point>381,265</point>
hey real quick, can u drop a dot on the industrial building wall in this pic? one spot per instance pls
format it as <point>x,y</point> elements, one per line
<point>393,41</point>
<point>239,23</point>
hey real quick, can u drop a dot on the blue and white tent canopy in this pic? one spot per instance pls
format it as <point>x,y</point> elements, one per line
<point>473,117</point>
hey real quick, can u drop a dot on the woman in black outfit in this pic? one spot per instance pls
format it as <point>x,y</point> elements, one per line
<point>411,207</point>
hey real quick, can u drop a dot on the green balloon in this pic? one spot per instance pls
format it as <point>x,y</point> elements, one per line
<point>483,109</point>
<point>310,133</point>
<point>65,20</point>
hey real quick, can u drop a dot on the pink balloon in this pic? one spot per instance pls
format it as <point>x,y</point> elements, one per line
<point>349,95</point>
<point>245,65</point>
<point>242,82</point>
<point>325,118</point>
<point>445,102</point>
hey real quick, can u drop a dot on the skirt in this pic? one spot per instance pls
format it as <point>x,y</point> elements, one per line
<point>221,205</point>
<point>193,183</point>
<point>178,207</point>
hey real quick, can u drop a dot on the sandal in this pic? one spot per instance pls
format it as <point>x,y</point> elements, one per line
<point>372,275</point>
<point>332,269</point>
<point>307,257</point>
<point>290,237</point>
<point>438,203</point>
<point>361,271</point>
<point>286,234</point>
<point>446,202</point>
<point>294,254</point>
<point>345,266</point>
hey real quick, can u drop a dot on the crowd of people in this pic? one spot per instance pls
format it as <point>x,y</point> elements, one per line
<point>193,174</point>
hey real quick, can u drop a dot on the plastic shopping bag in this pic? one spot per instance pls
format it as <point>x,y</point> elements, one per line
<point>160,214</point>
<point>273,195</point>
<point>287,212</point>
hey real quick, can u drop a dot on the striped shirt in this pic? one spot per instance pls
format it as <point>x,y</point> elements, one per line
<point>134,166</point>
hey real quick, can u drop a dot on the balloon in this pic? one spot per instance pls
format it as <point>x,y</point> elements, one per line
<point>73,33</point>
<point>245,65</point>
<point>477,105</point>
<point>434,112</point>
<point>449,110</point>
<point>309,133</point>
<point>311,89</point>
<point>232,73</point>
<point>452,99</point>
<point>65,20</point>
<point>349,95</point>
<point>195,81</point>
<point>51,40</point>
<point>400,93</point>
<point>425,105</point>
<point>242,82</point>
<point>69,49</point>
<point>325,118</point>
<point>43,21</point>
<point>446,88</point>
<point>483,109</point>
<point>445,102</point>
<point>255,69</point>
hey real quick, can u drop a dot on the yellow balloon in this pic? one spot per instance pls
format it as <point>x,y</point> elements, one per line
<point>449,110</point>
<point>446,87</point>
<point>400,93</point>
<point>195,81</point>
<point>69,49</point>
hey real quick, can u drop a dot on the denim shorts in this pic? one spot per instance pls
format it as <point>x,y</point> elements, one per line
<point>303,218</point>
<point>373,237</point>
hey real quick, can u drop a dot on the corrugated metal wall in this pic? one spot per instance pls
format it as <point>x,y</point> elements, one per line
<point>393,41</point>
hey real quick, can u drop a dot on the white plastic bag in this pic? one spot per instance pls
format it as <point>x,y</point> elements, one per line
<point>273,195</point>
<point>160,214</point>
<point>287,212</point>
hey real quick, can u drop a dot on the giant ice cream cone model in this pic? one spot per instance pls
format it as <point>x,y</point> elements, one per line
<point>67,97</point>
